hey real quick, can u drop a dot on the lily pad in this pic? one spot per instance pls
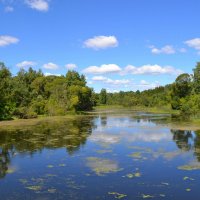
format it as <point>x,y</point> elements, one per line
<point>117,195</point>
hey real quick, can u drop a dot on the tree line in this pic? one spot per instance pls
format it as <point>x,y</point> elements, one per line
<point>30,93</point>
<point>182,95</point>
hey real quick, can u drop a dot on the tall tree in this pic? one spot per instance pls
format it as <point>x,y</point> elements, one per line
<point>103,96</point>
<point>196,78</point>
<point>6,104</point>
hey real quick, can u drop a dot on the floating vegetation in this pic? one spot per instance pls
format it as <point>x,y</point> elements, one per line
<point>51,175</point>
<point>188,178</point>
<point>34,187</point>
<point>50,166</point>
<point>136,155</point>
<point>188,190</point>
<point>189,167</point>
<point>133,175</point>
<point>102,166</point>
<point>23,181</point>
<point>52,190</point>
<point>11,170</point>
<point>147,196</point>
<point>117,195</point>
<point>62,165</point>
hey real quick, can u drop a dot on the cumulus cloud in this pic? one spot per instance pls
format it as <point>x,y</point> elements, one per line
<point>9,9</point>
<point>50,66</point>
<point>101,42</point>
<point>103,69</point>
<point>25,64</point>
<point>6,40</point>
<point>168,49</point>
<point>50,74</point>
<point>110,81</point>
<point>40,5</point>
<point>152,69</point>
<point>194,43</point>
<point>71,66</point>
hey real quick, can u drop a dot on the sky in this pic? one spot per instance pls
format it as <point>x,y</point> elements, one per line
<point>120,45</point>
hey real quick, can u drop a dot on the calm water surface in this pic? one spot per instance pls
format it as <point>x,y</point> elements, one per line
<point>105,156</point>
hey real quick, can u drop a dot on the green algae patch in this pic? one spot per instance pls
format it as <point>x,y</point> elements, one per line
<point>23,181</point>
<point>34,187</point>
<point>50,166</point>
<point>188,178</point>
<point>52,190</point>
<point>188,190</point>
<point>102,166</point>
<point>147,196</point>
<point>189,167</point>
<point>117,195</point>
<point>62,165</point>
<point>51,175</point>
<point>137,155</point>
<point>133,175</point>
<point>11,170</point>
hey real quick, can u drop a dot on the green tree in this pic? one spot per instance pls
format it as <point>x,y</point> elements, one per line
<point>196,78</point>
<point>103,96</point>
<point>6,101</point>
<point>181,89</point>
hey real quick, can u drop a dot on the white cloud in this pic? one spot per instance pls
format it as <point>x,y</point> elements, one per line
<point>101,42</point>
<point>51,66</point>
<point>194,43</point>
<point>168,49</point>
<point>6,40</point>
<point>50,74</point>
<point>144,85</point>
<point>25,64</point>
<point>9,9</point>
<point>40,5</point>
<point>151,69</point>
<point>71,66</point>
<point>143,82</point>
<point>103,69</point>
<point>183,50</point>
<point>110,81</point>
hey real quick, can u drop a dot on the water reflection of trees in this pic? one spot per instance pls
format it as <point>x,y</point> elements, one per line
<point>70,134</point>
<point>188,140</point>
<point>183,139</point>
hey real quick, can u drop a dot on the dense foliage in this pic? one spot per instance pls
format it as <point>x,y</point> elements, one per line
<point>30,93</point>
<point>182,95</point>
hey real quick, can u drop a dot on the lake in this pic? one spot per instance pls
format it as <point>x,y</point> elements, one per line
<point>100,156</point>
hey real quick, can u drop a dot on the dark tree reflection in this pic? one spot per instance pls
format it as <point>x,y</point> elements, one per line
<point>70,133</point>
<point>184,139</point>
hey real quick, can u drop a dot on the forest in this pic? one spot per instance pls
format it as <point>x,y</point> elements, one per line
<point>30,94</point>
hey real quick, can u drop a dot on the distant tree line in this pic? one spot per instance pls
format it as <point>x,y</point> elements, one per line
<point>30,93</point>
<point>182,95</point>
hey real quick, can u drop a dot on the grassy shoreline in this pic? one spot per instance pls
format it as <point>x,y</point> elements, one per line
<point>155,110</point>
<point>190,124</point>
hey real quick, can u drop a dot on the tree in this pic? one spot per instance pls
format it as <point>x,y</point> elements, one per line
<point>196,78</point>
<point>181,89</point>
<point>6,103</point>
<point>103,96</point>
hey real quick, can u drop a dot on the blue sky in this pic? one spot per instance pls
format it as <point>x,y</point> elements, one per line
<point>116,44</point>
